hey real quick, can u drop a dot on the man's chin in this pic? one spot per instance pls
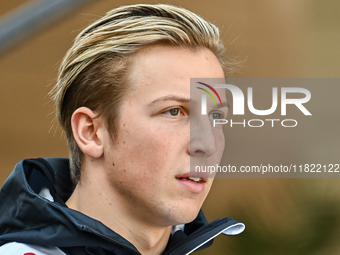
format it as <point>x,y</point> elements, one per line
<point>184,216</point>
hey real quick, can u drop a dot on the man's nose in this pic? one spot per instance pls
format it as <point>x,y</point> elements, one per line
<point>202,139</point>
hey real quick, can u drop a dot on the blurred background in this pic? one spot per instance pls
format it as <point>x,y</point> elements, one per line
<point>289,39</point>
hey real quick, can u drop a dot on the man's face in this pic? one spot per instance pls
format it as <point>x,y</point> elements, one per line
<point>148,163</point>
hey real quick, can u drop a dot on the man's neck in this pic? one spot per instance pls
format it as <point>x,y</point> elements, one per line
<point>95,199</point>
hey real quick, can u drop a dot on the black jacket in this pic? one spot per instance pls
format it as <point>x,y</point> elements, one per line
<point>27,217</point>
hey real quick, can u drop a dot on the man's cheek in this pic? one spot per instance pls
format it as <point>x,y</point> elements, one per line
<point>220,142</point>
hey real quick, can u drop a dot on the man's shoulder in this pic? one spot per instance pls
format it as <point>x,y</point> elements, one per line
<point>28,249</point>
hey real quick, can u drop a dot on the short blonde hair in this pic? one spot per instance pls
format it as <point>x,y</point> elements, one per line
<point>94,71</point>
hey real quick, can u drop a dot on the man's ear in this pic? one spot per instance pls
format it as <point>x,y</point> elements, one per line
<point>85,126</point>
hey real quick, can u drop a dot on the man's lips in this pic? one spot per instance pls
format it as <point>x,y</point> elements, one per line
<point>193,177</point>
<point>195,184</point>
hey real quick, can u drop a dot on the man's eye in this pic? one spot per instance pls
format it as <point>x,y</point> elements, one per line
<point>216,115</point>
<point>174,111</point>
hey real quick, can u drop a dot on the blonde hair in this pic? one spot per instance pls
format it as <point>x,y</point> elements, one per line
<point>94,71</point>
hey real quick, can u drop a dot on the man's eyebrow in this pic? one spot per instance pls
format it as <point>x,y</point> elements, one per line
<point>174,98</point>
<point>226,104</point>
<point>182,100</point>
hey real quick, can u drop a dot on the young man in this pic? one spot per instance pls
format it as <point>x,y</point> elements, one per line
<point>123,99</point>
